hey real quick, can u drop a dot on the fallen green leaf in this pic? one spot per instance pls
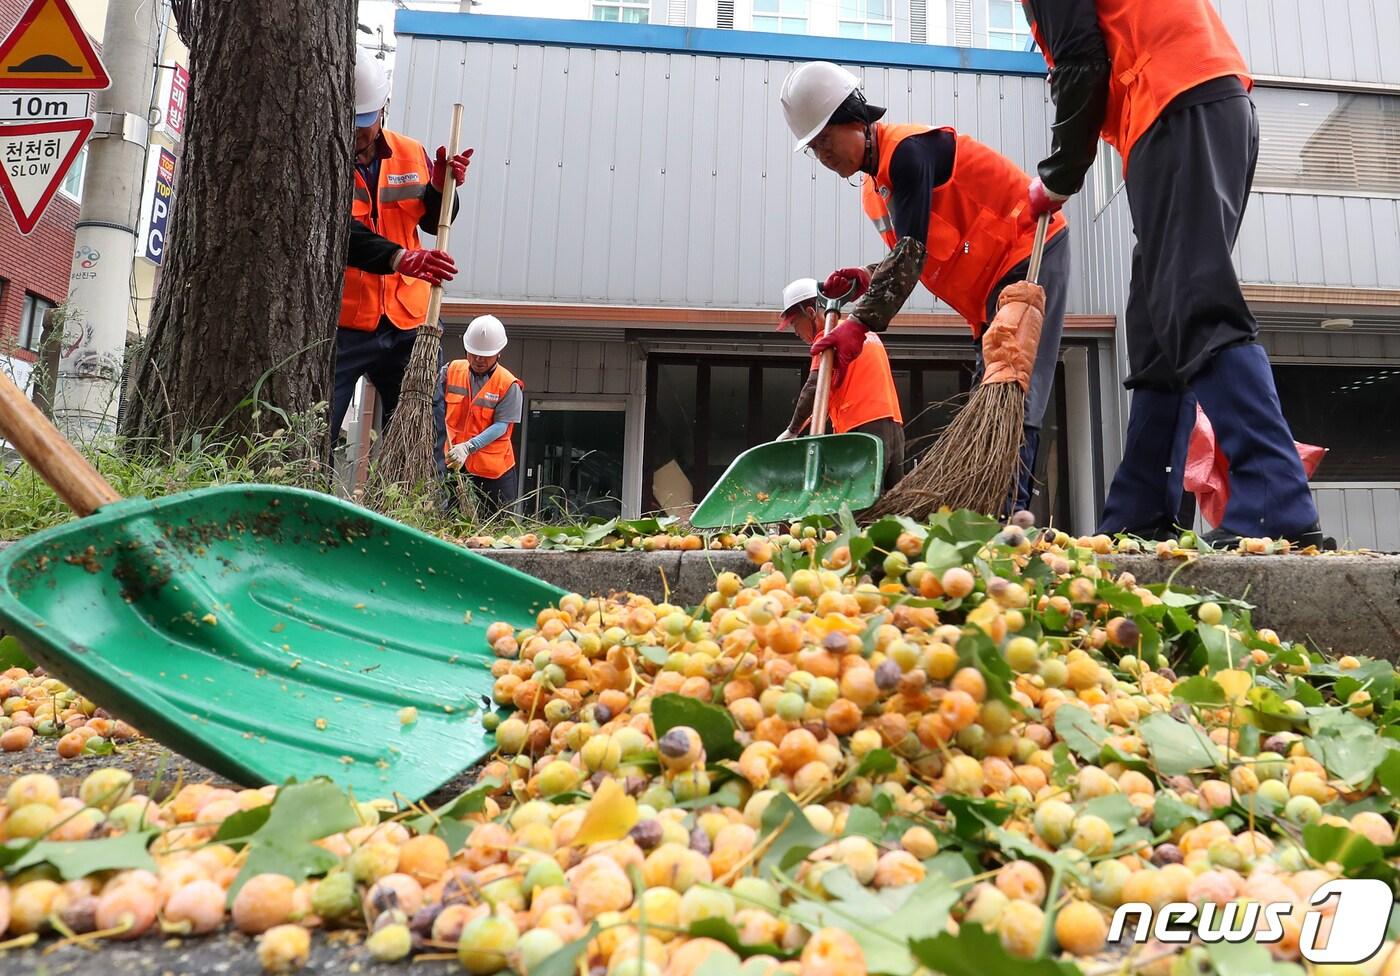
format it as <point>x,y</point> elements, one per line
<point>1248,959</point>
<point>1176,747</point>
<point>446,821</point>
<point>714,724</point>
<point>1080,732</point>
<point>13,655</point>
<point>976,952</point>
<point>796,837</point>
<point>881,923</point>
<point>300,813</point>
<point>78,859</point>
<point>1199,690</point>
<point>564,961</point>
<point>723,930</point>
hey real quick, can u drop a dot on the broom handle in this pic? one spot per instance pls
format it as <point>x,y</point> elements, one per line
<point>1042,227</point>
<point>58,462</point>
<point>444,231</point>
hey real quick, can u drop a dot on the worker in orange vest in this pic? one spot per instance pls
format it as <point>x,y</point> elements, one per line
<point>865,401</point>
<point>479,403</point>
<point>1163,83</point>
<point>398,194</point>
<point>954,215</point>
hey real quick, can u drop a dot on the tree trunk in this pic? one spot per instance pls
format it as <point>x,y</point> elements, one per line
<point>243,328</point>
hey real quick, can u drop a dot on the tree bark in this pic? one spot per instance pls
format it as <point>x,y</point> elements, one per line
<point>251,284</point>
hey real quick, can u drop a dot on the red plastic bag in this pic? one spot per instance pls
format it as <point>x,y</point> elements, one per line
<point>1208,471</point>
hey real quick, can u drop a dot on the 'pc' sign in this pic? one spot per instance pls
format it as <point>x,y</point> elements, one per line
<point>1359,922</point>
<point>160,198</point>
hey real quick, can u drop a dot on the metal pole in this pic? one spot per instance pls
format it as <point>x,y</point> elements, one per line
<point>99,284</point>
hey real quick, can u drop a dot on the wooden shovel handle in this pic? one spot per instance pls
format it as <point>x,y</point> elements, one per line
<point>49,453</point>
<point>821,404</point>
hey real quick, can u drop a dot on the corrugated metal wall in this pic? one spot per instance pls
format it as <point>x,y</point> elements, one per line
<point>664,178</point>
<point>1346,242</point>
<point>1338,40</point>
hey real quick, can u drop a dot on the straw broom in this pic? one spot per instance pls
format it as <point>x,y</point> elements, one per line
<point>406,458</point>
<point>976,460</point>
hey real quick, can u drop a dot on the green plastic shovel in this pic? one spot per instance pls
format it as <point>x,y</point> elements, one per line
<point>814,475</point>
<point>263,632</point>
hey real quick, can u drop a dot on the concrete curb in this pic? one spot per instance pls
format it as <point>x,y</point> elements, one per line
<point>1337,603</point>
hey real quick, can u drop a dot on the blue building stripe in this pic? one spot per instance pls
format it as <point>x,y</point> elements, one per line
<point>713,42</point>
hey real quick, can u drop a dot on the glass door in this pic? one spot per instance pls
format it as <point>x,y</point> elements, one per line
<point>573,458</point>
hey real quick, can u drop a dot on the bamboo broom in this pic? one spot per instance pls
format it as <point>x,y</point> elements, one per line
<point>407,460</point>
<point>976,460</point>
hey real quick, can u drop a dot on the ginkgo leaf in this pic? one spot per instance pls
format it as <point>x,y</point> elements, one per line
<point>609,815</point>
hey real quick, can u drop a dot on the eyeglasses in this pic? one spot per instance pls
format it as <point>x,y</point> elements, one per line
<point>821,144</point>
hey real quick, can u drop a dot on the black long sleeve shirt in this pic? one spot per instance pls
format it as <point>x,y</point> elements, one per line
<point>1069,30</point>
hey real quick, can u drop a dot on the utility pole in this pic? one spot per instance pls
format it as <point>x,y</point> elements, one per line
<point>99,284</point>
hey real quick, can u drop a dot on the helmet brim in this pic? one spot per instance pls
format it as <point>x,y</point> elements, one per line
<point>363,120</point>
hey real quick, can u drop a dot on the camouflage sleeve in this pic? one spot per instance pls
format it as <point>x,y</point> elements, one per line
<point>802,412</point>
<point>891,283</point>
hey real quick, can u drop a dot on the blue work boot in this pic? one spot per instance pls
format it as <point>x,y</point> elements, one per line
<point>1269,493</point>
<point>1146,492</point>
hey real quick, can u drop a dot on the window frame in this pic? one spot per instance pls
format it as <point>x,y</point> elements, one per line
<point>1020,40</point>
<point>864,21</point>
<point>800,24</point>
<point>79,167</point>
<point>27,323</point>
<point>621,6</point>
<point>1303,86</point>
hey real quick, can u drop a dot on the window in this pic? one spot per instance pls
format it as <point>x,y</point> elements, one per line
<point>871,20</point>
<point>622,11</point>
<point>31,321</point>
<point>1107,176</point>
<point>1318,141</point>
<point>72,185</point>
<point>1353,411</point>
<point>1007,29</point>
<point>780,16</point>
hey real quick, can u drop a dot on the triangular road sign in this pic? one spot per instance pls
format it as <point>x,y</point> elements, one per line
<point>34,158</point>
<point>48,49</point>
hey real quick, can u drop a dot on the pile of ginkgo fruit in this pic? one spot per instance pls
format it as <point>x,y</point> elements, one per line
<point>956,747</point>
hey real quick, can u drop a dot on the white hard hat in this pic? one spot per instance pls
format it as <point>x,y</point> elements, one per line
<point>486,336</point>
<point>797,292</point>
<point>811,94</point>
<point>371,88</point>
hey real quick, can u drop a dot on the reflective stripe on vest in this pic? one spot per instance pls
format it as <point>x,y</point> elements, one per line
<point>365,297</point>
<point>979,225</point>
<point>867,392</point>
<point>467,417</point>
<point>1159,50</point>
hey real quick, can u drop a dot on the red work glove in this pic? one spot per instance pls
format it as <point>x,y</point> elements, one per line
<point>434,267</point>
<point>458,163</point>
<point>848,339</point>
<point>1044,200</point>
<point>839,282</point>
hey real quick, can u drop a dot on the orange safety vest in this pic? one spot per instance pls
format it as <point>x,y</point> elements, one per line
<point>867,391</point>
<point>366,298</point>
<point>1159,49</point>
<point>979,224</point>
<point>467,417</point>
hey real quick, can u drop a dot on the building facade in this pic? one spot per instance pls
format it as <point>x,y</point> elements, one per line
<point>34,269</point>
<point>995,24</point>
<point>635,208</point>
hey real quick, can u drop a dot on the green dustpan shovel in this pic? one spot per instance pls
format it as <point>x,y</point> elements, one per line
<point>266,633</point>
<point>794,479</point>
<point>789,480</point>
